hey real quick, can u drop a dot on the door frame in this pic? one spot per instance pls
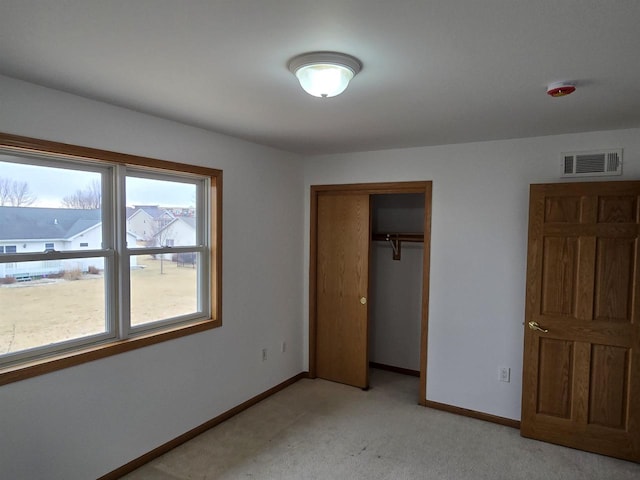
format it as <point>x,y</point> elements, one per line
<point>424,187</point>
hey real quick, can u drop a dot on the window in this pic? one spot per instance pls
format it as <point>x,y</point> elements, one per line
<point>126,290</point>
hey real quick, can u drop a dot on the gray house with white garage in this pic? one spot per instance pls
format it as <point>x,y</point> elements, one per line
<point>145,221</point>
<point>34,229</point>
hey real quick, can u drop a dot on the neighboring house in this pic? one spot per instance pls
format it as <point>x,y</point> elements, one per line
<point>145,221</point>
<point>181,231</point>
<point>181,211</point>
<point>31,229</point>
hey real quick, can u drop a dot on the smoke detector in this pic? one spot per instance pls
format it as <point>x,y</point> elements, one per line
<point>560,89</point>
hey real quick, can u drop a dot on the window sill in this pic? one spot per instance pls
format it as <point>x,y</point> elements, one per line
<point>34,368</point>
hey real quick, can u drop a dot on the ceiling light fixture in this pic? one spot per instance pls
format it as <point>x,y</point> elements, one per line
<point>324,74</point>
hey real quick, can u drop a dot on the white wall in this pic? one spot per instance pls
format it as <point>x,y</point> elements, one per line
<point>478,250</point>
<point>85,421</point>
<point>396,301</point>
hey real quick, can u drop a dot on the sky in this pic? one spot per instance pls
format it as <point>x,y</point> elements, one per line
<point>50,185</point>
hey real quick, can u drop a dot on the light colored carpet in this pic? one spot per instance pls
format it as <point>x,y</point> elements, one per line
<point>322,430</point>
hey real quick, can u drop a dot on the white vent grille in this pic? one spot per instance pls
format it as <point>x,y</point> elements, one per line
<point>592,164</point>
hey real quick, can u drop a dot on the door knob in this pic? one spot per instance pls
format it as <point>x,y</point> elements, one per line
<point>363,300</point>
<point>535,326</point>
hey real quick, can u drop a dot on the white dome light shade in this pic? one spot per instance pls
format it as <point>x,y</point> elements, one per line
<point>324,74</point>
<point>324,80</point>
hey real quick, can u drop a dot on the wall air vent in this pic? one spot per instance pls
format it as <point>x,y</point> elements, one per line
<point>598,163</point>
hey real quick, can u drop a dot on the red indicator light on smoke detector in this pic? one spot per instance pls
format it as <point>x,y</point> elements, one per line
<point>560,89</point>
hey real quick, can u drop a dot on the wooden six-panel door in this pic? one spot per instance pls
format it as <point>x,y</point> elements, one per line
<point>581,378</point>
<point>342,283</point>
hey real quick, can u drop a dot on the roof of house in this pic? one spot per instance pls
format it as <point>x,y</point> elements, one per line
<point>190,221</point>
<point>45,223</point>
<point>152,210</point>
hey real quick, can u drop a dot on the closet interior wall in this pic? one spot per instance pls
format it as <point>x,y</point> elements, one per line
<point>396,285</point>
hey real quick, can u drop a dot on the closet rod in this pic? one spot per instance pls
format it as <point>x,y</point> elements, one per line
<point>396,239</point>
<point>399,237</point>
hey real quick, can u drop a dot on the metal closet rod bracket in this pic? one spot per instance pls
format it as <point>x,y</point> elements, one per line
<point>396,239</point>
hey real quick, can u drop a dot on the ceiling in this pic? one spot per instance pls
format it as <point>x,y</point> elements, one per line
<point>434,71</point>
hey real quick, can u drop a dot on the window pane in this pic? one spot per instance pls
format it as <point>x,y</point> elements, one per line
<point>160,212</point>
<point>41,205</point>
<point>56,204</point>
<point>163,286</point>
<point>50,301</point>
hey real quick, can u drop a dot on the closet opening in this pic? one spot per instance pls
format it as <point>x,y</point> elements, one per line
<point>395,282</point>
<point>369,282</point>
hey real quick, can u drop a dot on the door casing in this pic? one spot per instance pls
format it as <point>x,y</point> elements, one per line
<point>423,187</point>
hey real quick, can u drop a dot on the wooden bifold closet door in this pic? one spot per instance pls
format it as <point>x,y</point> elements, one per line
<point>581,378</point>
<point>342,288</point>
<point>339,251</point>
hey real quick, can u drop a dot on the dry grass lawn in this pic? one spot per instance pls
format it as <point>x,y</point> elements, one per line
<point>34,314</point>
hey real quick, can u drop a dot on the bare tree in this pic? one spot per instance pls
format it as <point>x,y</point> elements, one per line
<point>89,198</point>
<point>15,193</point>
<point>161,236</point>
<point>5,191</point>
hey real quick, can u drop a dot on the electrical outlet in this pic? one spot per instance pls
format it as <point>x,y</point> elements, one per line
<point>283,346</point>
<point>264,354</point>
<point>504,374</point>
